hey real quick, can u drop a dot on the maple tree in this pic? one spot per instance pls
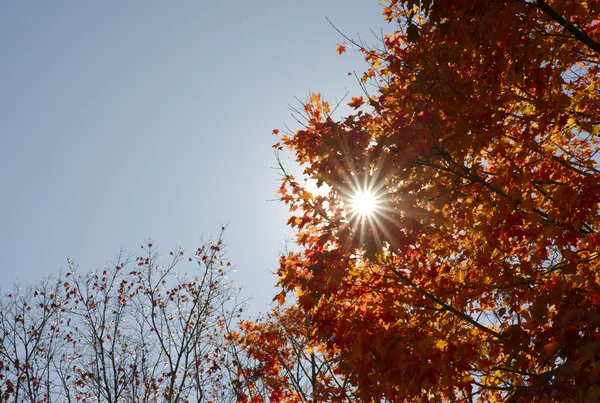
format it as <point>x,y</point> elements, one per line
<point>136,331</point>
<point>477,275</point>
<point>282,365</point>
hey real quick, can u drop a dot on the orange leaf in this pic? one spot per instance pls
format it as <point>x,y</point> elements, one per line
<point>356,102</point>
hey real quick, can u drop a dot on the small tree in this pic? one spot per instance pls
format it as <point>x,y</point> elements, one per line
<point>136,331</point>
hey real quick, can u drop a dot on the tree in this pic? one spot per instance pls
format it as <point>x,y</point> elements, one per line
<point>282,365</point>
<point>30,342</point>
<point>136,331</point>
<point>476,276</point>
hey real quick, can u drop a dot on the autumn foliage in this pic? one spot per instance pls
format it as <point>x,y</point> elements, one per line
<point>283,365</point>
<point>477,277</point>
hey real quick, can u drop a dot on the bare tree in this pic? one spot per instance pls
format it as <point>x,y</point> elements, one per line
<point>31,319</point>
<point>136,331</point>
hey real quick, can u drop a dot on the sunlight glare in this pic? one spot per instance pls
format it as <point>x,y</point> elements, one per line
<point>364,203</point>
<point>311,186</point>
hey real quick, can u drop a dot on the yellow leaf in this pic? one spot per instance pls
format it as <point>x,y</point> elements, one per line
<point>441,344</point>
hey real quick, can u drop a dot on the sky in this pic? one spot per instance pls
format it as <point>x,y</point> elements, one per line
<point>121,121</point>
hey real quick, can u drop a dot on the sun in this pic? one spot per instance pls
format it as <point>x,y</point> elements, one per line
<point>364,203</point>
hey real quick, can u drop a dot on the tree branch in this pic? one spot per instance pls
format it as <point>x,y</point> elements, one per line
<point>579,34</point>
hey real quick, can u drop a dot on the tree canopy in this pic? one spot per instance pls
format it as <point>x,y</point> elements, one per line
<point>476,277</point>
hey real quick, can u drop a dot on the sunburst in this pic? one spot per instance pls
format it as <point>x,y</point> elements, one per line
<point>365,203</point>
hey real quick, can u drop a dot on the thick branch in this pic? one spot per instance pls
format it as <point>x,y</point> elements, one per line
<point>579,34</point>
<point>447,307</point>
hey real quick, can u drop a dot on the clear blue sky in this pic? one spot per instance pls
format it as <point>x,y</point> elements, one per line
<point>120,120</point>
